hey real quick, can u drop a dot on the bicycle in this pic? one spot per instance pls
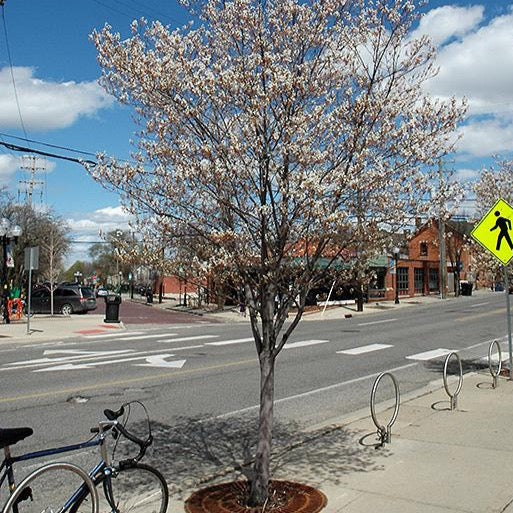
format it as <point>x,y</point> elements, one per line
<point>128,486</point>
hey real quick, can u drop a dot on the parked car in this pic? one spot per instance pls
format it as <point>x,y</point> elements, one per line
<point>67,299</point>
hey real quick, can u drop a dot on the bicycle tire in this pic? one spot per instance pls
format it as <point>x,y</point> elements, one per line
<point>134,481</point>
<point>54,488</point>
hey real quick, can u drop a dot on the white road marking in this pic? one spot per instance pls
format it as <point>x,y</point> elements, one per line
<point>185,339</point>
<point>86,360</point>
<point>364,349</point>
<point>304,343</point>
<point>159,361</point>
<point>316,391</point>
<point>81,355</point>
<point>153,361</point>
<point>228,342</point>
<point>376,322</point>
<point>429,355</point>
<point>187,347</point>
<point>141,337</point>
<point>478,304</point>
<point>110,335</point>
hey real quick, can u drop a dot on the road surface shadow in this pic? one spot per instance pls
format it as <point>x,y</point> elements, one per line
<point>467,365</point>
<point>197,452</point>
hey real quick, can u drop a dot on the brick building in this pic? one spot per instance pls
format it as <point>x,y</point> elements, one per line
<point>419,261</point>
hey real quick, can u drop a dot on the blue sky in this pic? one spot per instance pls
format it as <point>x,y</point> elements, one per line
<point>55,72</point>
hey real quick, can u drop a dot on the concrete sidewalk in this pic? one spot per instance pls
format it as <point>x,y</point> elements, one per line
<point>231,314</point>
<point>58,327</point>
<point>439,460</point>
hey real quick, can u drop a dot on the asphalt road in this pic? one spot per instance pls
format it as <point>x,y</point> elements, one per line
<point>185,372</point>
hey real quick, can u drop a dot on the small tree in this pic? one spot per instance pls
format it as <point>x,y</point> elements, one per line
<point>53,247</point>
<point>39,228</point>
<point>277,135</point>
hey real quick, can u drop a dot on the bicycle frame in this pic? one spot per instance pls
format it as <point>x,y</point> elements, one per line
<point>7,466</point>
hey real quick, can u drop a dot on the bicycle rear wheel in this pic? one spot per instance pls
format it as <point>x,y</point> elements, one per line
<point>136,488</point>
<point>54,488</point>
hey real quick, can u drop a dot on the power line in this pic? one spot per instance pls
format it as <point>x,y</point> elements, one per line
<point>15,147</point>
<point>48,144</point>
<point>12,72</point>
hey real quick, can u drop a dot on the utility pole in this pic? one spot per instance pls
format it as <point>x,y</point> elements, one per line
<point>31,166</point>
<point>441,235</point>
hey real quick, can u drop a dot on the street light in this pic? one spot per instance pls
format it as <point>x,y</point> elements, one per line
<point>8,234</point>
<point>396,251</point>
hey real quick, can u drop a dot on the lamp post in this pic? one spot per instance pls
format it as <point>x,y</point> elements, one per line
<point>8,234</point>
<point>77,276</point>
<point>396,251</point>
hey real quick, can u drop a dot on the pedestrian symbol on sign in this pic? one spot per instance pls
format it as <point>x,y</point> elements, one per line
<point>504,225</point>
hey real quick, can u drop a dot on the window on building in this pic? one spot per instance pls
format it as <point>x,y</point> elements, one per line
<point>433,280</point>
<point>419,280</point>
<point>423,249</point>
<point>402,280</point>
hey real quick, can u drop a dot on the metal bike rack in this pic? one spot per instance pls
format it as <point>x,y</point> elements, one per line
<point>384,433</point>
<point>495,375</point>
<point>454,396</point>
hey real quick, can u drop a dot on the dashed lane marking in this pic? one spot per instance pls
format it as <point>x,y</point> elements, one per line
<point>365,349</point>
<point>429,355</point>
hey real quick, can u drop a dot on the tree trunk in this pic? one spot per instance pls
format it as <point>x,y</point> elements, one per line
<point>260,482</point>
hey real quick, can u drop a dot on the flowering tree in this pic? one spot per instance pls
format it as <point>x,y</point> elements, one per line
<point>494,183</point>
<point>276,134</point>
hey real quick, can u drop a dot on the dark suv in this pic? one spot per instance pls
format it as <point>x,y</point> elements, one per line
<point>67,299</point>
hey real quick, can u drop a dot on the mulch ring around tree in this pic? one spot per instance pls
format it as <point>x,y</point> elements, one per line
<point>284,497</point>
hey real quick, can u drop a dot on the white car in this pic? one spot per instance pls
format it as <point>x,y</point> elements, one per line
<point>101,292</point>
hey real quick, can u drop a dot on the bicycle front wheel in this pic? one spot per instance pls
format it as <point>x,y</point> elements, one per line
<point>54,488</point>
<point>136,488</point>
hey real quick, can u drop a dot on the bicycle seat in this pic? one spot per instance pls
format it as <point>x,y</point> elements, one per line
<point>10,436</point>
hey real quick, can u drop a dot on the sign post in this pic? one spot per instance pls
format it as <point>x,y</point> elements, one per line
<point>493,234</point>
<point>31,263</point>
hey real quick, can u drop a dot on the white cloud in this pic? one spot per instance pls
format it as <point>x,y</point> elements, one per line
<point>86,230</point>
<point>486,138</point>
<point>47,105</point>
<point>10,164</point>
<point>103,220</point>
<point>465,175</point>
<point>8,167</point>
<point>479,67</point>
<point>444,23</point>
<point>476,63</point>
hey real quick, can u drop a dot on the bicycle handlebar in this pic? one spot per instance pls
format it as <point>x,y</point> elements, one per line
<point>117,427</point>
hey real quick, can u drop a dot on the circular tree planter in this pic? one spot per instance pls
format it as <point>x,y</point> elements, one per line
<point>284,497</point>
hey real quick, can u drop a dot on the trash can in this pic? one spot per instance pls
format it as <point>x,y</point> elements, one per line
<point>466,288</point>
<point>112,302</point>
<point>149,296</point>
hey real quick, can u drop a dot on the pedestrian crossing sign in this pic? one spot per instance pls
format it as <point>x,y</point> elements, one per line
<point>495,231</point>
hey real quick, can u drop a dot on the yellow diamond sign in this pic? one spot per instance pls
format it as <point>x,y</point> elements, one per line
<point>495,231</point>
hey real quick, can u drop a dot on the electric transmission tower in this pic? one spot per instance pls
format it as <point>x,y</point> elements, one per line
<point>30,164</point>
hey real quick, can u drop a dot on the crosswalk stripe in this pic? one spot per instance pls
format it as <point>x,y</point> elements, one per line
<point>112,335</point>
<point>429,355</point>
<point>141,337</point>
<point>184,339</point>
<point>376,322</point>
<point>228,342</point>
<point>365,349</point>
<point>304,343</point>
